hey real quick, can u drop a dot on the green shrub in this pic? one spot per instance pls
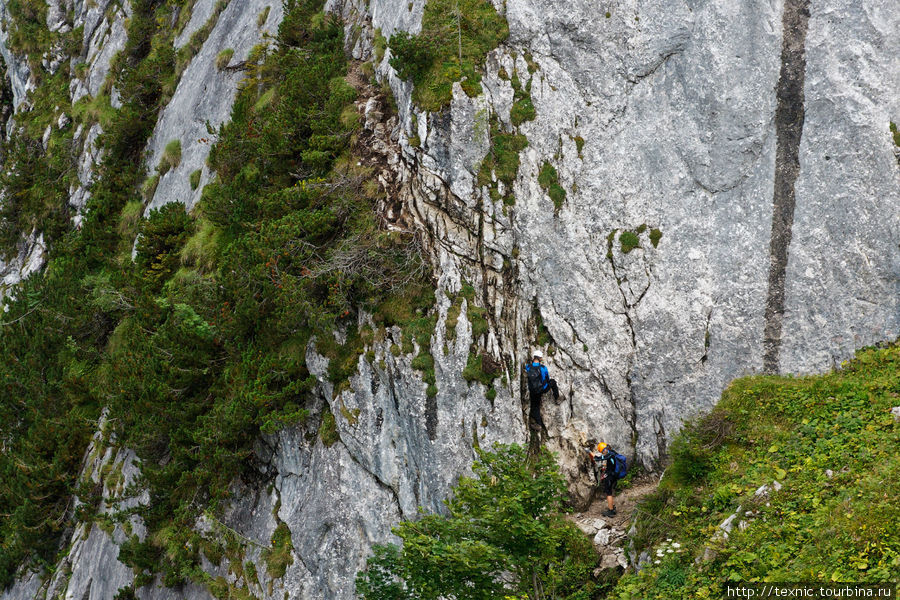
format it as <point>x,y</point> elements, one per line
<point>411,55</point>
<point>195,178</point>
<point>328,432</point>
<point>257,53</point>
<point>279,557</point>
<point>655,236</point>
<point>504,535</point>
<point>32,192</point>
<point>90,298</point>
<point>522,109</point>
<point>161,237</point>
<point>148,188</point>
<point>502,159</point>
<point>197,346</point>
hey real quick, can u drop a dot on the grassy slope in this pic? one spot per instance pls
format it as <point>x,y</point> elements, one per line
<point>816,528</point>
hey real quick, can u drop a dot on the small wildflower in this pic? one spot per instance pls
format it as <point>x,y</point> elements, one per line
<point>656,562</point>
<point>676,545</point>
<point>670,551</point>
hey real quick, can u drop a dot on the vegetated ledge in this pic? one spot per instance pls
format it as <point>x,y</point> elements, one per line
<point>455,38</point>
<point>787,479</point>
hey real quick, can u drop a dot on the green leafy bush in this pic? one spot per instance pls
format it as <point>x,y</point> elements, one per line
<point>161,237</point>
<point>504,535</point>
<point>411,55</point>
<point>51,394</point>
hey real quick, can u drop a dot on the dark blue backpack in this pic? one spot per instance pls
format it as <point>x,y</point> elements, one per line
<point>621,464</point>
<point>535,379</point>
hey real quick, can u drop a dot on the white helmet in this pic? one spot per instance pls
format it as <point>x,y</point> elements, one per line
<point>537,354</point>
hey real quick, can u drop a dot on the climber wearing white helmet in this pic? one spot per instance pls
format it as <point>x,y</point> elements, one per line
<point>539,382</point>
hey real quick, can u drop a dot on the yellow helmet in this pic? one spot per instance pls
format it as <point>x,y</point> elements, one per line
<point>601,447</point>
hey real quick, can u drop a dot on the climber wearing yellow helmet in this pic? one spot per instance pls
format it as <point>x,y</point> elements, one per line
<point>607,469</point>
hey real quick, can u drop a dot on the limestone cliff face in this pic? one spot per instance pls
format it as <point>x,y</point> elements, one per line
<point>752,136</point>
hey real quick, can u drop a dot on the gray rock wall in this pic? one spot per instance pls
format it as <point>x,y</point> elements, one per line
<point>205,95</point>
<point>676,105</point>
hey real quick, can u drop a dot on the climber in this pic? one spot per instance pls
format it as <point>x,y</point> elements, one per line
<point>606,469</point>
<point>539,382</point>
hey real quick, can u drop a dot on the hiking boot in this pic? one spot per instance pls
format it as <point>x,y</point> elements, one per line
<point>608,513</point>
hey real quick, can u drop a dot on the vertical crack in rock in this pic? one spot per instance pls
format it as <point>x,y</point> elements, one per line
<point>629,417</point>
<point>789,115</point>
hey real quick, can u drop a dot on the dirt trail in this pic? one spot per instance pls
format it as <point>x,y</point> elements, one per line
<point>609,534</point>
<point>625,502</point>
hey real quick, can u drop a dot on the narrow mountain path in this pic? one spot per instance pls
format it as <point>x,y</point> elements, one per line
<point>609,534</point>
<point>626,502</point>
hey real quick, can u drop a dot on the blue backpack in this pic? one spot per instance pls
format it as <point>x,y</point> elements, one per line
<point>621,464</point>
<point>535,379</point>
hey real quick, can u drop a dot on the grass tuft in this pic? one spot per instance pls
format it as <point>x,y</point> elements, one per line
<point>223,58</point>
<point>548,179</point>
<point>171,157</point>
